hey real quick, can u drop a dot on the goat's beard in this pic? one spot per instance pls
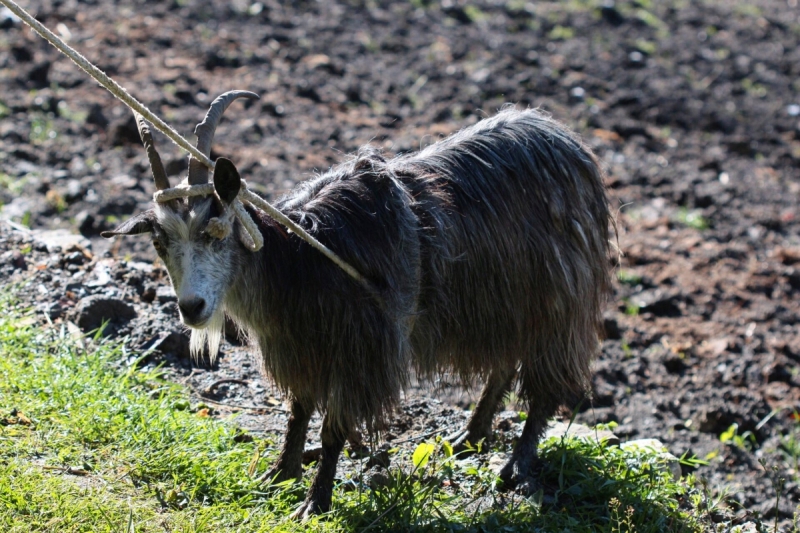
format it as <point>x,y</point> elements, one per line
<point>210,336</point>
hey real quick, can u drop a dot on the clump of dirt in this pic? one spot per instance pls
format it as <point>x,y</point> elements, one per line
<point>692,108</point>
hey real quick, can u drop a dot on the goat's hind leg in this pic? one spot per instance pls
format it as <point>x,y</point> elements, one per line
<point>479,427</point>
<point>318,499</point>
<point>518,472</point>
<point>290,461</point>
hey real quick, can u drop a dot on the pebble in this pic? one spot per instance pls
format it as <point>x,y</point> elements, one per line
<point>166,294</point>
<point>94,310</point>
<point>55,241</point>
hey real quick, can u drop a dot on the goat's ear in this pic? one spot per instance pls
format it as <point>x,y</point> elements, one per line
<point>141,223</point>
<point>226,180</point>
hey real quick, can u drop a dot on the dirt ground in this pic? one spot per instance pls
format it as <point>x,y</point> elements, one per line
<point>692,107</point>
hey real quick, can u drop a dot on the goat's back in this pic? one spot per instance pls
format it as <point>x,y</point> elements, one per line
<point>514,252</point>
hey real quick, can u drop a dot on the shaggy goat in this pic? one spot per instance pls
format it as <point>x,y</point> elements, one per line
<point>486,255</point>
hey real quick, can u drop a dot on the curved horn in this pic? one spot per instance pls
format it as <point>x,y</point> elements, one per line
<point>157,167</point>
<point>198,173</point>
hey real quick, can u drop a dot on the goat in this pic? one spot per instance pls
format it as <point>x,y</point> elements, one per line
<point>486,255</point>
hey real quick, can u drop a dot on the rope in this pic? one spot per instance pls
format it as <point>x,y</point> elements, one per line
<point>183,191</point>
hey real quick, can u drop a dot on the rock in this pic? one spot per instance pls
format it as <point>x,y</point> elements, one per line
<point>18,209</point>
<point>8,19</point>
<point>124,181</point>
<point>165,294</point>
<point>611,14</point>
<point>15,259</point>
<point>674,363</point>
<point>124,131</point>
<point>96,116</point>
<point>497,462</point>
<point>658,303</point>
<point>39,75</point>
<point>745,409</point>
<point>73,191</point>
<point>377,477</point>
<point>88,225</point>
<point>93,311</point>
<point>74,258</point>
<point>747,527</point>
<point>612,328</point>
<point>148,293</point>
<point>58,240</point>
<point>54,310</point>
<point>380,458</point>
<point>101,273</point>
<point>579,431</point>
<point>176,342</point>
<point>671,463</point>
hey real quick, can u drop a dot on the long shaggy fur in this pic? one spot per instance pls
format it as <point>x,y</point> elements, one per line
<point>485,254</point>
<point>488,251</point>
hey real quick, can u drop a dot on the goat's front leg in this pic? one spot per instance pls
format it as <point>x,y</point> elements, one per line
<point>290,461</point>
<point>479,427</point>
<point>318,499</point>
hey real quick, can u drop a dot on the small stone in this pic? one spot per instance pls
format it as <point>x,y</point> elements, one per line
<point>148,293</point>
<point>636,59</point>
<point>93,311</point>
<point>55,241</point>
<point>674,363</point>
<point>577,94</point>
<point>124,131</point>
<point>496,463</point>
<point>15,259</point>
<point>377,477</point>
<point>166,294</point>
<point>73,191</point>
<point>74,258</point>
<point>611,14</point>
<point>176,343</point>
<point>55,310</point>
<point>612,328</point>
<point>658,303</point>
<point>8,19</point>
<point>380,458</point>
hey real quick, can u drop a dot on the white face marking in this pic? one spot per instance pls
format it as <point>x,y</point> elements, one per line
<point>200,270</point>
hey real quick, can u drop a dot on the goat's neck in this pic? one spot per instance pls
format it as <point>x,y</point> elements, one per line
<point>262,280</point>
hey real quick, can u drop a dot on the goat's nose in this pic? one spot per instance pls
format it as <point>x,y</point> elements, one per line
<point>192,308</point>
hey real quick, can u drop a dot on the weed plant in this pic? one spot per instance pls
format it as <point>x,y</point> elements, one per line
<point>91,442</point>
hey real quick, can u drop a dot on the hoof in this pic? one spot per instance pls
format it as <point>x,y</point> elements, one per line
<point>518,475</point>
<point>309,508</point>
<point>465,443</point>
<point>277,475</point>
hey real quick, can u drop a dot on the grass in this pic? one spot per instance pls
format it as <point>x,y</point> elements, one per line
<point>692,219</point>
<point>89,442</point>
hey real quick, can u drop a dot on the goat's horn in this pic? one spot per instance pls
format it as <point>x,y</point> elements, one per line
<point>157,167</point>
<point>198,173</point>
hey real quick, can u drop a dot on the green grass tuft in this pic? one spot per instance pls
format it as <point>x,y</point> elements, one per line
<point>88,443</point>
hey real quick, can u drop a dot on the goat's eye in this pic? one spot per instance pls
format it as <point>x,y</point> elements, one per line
<point>158,246</point>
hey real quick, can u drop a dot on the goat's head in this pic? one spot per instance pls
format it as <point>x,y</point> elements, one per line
<point>195,237</point>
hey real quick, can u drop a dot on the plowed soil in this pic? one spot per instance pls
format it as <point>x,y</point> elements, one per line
<point>692,107</point>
